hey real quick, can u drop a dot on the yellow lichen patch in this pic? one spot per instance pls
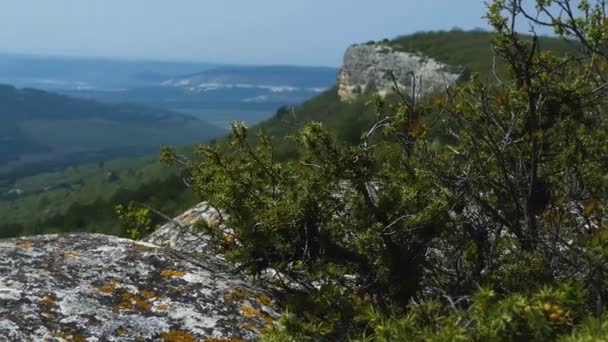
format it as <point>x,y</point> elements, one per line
<point>142,246</point>
<point>248,326</point>
<point>167,274</point>
<point>177,336</point>
<point>109,287</point>
<point>240,293</point>
<point>264,299</point>
<point>71,336</point>
<point>25,244</point>
<point>47,301</point>
<point>266,330</point>
<point>189,218</point>
<point>78,337</point>
<point>162,307</point>
<point>120,332</point>
<point>71,254</point>
<point>253,313</point>
<point>148,294</point>
<point>140,302</point>
<point>122,306</point>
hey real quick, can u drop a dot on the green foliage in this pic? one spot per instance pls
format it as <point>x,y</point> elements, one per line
<point>97,214</point>
<point>477,216</point>
<point>135,220</point>
<point>539,316</point>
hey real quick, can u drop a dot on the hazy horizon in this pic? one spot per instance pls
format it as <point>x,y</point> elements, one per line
<point>274,32</point>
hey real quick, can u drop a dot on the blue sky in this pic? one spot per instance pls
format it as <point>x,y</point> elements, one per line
<point>303,32</point>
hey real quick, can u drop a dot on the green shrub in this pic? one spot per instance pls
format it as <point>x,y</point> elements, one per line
<point>490,230</point>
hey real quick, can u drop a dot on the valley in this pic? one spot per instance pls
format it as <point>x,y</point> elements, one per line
<point>75,131</point>
<point>304,171</point>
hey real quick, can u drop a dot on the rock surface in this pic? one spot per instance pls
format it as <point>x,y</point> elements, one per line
<point>181,234</point>
<point>91,287</point>
<point>366,68</point>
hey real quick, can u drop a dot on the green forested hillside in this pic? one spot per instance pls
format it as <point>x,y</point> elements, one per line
<point>470,51</point>
<point>39,130</point>
<point>88,183</point>
<point>44,140</point>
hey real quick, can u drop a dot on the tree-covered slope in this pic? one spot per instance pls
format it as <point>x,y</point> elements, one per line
<point>469,51</point>
<point>39,128</point>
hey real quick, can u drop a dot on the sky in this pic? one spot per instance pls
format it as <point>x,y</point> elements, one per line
<point>295,32</point>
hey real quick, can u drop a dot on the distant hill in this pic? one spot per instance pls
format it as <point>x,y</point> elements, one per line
<point>40,129</point>
<point>69,73</point>
<point>471,50</point>
<point>468,51</point>
<point>277,78</point>
<point>222,94</point>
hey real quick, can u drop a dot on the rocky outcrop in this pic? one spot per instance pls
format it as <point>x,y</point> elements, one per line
<point>366,68</point>
<point>181,234</point>
<point>93,287</point>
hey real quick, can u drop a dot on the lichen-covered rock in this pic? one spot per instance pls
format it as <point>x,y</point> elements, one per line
<point>181,233</point>
<point>366,69</point>
<point>91,287</point>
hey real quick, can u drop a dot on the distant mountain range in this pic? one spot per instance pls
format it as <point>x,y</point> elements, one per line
<point>214,93</point>
<point>225,93</point>
<point>70,73</point>
<point>38,128</point>
<point>274,78</point>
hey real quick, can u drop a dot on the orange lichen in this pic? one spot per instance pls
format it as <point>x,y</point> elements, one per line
<point>177,336</point>
<point>141,302</point>
<point>240,293</point>
<point>25,244</point>
<point>122,306</point>
<point>148,294</point>
<point>70,253</point>
<point>162,307</point>
<point>253,313</point>
<point>167,274</point>
<point>71,336</point>
<point>47,301</point>
<point>141,246</point>
<point>248,326</point>
<point>78,337</point>
<point>264,299</point>
<point>188,218</point>
<point>109,287</point>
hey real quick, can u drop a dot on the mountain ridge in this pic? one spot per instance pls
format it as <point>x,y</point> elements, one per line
<point>35,121</point>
